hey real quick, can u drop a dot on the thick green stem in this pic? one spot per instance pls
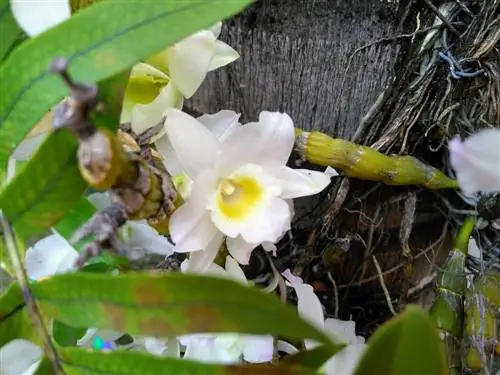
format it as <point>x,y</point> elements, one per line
<point>368,164</point>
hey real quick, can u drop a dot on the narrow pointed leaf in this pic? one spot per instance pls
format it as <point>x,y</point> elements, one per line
<point>49,184</point>
<point>78,361</point>
<point>99,41</point>
<point>65,335</point>
<point>9,30</point>
<point>408,344</point>
<point>14,319</point>
<point>168,304</point>
<point>314,358</point>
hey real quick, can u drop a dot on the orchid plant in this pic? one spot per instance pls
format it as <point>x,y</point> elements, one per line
<point>237,194</point>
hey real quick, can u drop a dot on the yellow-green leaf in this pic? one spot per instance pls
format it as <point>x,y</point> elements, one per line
<point>168,304</point>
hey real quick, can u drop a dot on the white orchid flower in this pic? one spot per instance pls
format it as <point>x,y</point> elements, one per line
<point>49,256</point>
<point>19,357</point>
<point>35,17</point>
<point>136,234</point>
<point>165,79</point>
<point>310,309</point>
<point>228,347</point>
<point>477,161</point>
<point>241,185</point>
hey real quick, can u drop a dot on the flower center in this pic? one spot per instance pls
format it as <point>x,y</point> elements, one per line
<point>238,196</point>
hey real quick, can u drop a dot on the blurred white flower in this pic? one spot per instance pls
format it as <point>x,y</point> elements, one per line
<point>165,79</point>
<point>136,234</point>
<point>241,185</point>
<point>476,161</point>
<point>35,17</point>
<point>19,357</point>
<point>310,309</point>
<point>49,256</point>
<point>228,347</point>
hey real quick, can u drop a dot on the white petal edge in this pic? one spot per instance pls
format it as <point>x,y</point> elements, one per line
<point>234,270</point>
<point>302,182</point>
<point>19,357</point>
<point>223,55</point>
<point>195,145</point>
<point>191,228</point>
<point>258,349</point>
<point>35,17</point>
<point>189,61</point>
<point>280,134</point>
<point>477,161</point>
<point>269,224</point>
<point>145,237</point>
<point>221,124</point>
<point>239,249</point>
<point>49,256</point>
<point>145,116</point>
<point>200,261</point>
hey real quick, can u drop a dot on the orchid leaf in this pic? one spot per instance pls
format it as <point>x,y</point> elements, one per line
<point>408,344</point>
<point>168,304</point>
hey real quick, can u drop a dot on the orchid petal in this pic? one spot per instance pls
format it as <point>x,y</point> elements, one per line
<point>269,224</point>
<point>147,238</point>
<point>302,182</point>
<point>189,61</point>
<point>344,361</point>
<point>308,304</point>
<point>216,29</point>
<point>477,161</point>
<point>235,271</point>
<point>258,349</point>
<point>191,229</point>
<point>212,349</point>
<point>195,145</point>
<point>170,160</point>
<point>223,55</point>
<point>50,255</point>
<point>19,357</point>
<point>155,346</point>
<point>35,17</point>
<point>190,225</point>
<point>242,146</point>
<point>221,124</point>
<point>144,85</point>
<point>268,143</point>
<point>240,249</point>
<point>344,329</point>
<point>280,137</point>
<point>200,261</point>
<point>145,116</point>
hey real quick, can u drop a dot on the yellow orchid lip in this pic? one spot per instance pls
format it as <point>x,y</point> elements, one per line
<point>238,197</point>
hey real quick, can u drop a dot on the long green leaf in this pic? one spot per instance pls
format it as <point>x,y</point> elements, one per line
<point>15,322</point>
<point>45,188</point>
<point>9,30</point>
<point>168,304</point>
<point>79,362</point>
<point>99,42</point>
<point>314,358</point>
<point>408,344</point>
<point>50,184</point>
